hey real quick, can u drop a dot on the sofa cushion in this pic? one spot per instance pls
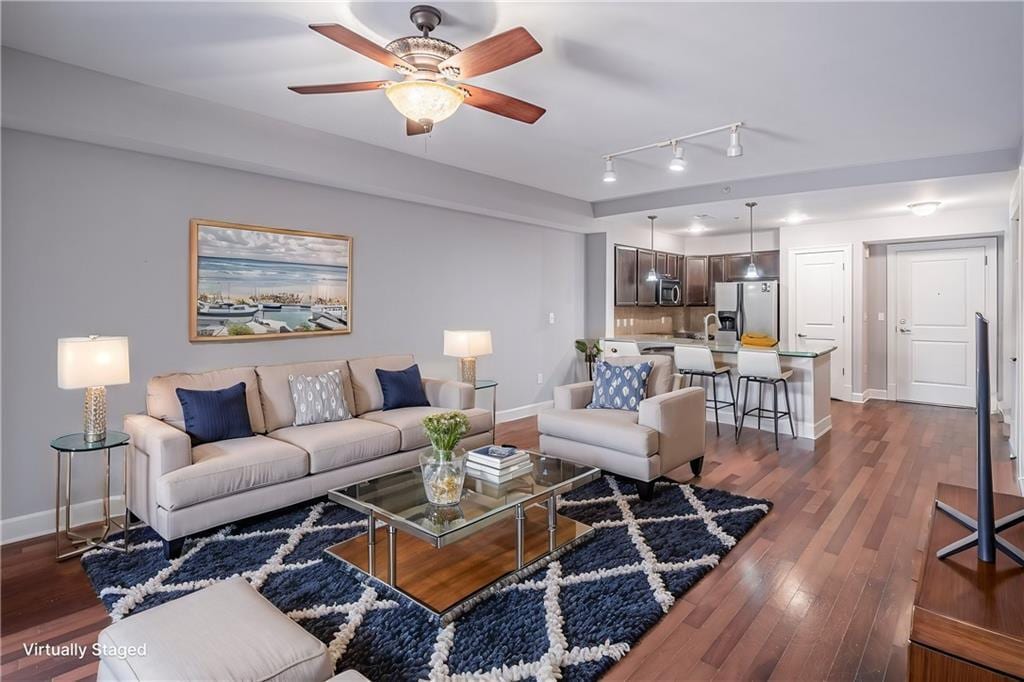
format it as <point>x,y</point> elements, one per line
<point>228,467</point>
<point>402,388</point>
<point>227,631</point>
<point>365,386</point>
<point>215,415</point>
<point>276,393</point>
<point>409,421</point>
<point>336,444</point>
<point>662,373</point>
<point>614,429</point>
<point>162,401</point>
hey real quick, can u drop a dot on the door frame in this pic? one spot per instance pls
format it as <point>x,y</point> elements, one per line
<point>991,306</point>
<point>847,346</point>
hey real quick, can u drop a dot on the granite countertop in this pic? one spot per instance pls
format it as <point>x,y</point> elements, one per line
<point>796,348</point>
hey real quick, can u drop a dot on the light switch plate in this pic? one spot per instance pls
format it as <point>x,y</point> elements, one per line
<point>881,317</point>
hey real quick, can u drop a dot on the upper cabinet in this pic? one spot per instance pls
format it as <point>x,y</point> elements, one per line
<point>625,275</point>
<point>766,262</point>
<point>695,286</point>
<point>646,292</point>
<point>716,274</point>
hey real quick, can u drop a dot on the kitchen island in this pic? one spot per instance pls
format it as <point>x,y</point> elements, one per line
<point>810,387</point>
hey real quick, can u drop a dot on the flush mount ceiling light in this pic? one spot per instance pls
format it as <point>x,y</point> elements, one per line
<point>609,171</point>
<point>795,218</point>
<point>652,275</point>
<point>678,162</point>
<point>697,228</point>
<point>924,208</point>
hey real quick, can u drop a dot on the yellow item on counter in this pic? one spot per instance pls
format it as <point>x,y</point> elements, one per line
<point>758,340</point>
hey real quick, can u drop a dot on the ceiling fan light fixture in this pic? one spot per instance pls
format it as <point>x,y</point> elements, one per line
<point>425,102</point>
<point>678,163</point>
<point>924,208</point>
<point>609,171</point>
<point>735,148</point>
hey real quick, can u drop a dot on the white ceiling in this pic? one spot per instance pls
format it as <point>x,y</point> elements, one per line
<point>828,206</point>
<point>821,85</point>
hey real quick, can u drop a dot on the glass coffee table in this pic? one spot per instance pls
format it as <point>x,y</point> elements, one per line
<point>450,557</point>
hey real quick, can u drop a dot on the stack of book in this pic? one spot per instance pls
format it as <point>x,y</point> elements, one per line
<point>498,464</point>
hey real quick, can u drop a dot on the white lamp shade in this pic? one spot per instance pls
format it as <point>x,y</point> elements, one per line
<point>467,344</point>
<point>92,361</point>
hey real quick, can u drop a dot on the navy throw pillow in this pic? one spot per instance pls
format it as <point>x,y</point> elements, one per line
<point>403,388</point>
<point>620,387</point>
<point>215,415</point>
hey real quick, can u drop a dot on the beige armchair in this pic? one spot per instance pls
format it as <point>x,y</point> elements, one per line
<point>665,433</point>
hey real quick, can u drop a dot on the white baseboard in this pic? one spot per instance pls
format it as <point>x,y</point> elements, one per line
<point>523,411</point>
<point>803,429</point>
<point>870,394</point>
<point>41,523</point>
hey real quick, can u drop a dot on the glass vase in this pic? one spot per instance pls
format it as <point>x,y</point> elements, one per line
<point>443,474</point>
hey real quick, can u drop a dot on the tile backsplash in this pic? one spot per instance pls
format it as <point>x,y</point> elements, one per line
<point>656,320</point>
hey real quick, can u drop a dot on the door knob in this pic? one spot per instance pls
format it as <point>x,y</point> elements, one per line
<point>802,336</point>
<point>904,330</point>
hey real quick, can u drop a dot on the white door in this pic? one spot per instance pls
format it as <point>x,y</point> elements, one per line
<point>819,288</point>
<point>938,291</point>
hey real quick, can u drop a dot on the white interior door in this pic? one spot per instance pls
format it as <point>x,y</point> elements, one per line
<point>819,289</point>
<point>938,291</point>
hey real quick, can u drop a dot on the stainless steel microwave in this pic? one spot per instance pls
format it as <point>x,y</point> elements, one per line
<point>669,293</point>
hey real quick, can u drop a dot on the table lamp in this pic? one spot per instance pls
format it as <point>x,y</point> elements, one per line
<point>93,363</point>
<point>467,346</point>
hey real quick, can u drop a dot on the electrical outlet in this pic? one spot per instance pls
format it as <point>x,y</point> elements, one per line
<point>551,318</point>
<point>540,378</point>
<point>881,317</point>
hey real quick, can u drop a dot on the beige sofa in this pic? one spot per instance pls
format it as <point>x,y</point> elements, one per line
<point>179,490</point>
<point>665,433</point>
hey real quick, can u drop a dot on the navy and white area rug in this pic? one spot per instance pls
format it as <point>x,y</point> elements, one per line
<point>569,619</point>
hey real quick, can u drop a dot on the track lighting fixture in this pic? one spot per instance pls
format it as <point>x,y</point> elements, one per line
<point>735,148</point>
<point>678,161</point>
<point>609,170</point>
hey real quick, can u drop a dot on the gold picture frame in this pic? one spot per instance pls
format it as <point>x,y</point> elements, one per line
<point>255,283</point>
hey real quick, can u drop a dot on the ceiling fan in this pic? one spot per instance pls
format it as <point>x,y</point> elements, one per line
<point>434,69</point>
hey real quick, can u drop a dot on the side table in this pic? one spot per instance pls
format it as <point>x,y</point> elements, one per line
<point>482,384</point>
<point>71,445</point>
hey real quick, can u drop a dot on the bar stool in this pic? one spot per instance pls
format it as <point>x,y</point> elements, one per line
<point>698,361</point>
<point>762,367</point>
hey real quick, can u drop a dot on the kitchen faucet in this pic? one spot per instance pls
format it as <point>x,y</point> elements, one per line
<point>718,322</point>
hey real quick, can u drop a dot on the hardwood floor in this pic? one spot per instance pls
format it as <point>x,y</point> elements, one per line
<point>820,589</point>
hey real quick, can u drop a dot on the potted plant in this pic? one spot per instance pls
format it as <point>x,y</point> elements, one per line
<point>444,467</point>
<point>591,349</point>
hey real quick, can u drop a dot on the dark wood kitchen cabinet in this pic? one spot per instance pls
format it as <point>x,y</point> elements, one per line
<point>646,292</point>
<point>736,266</point>
<point>661,263</point>
<point>695,286</point>
<point>625,275</point>
<point>716,274</point>
<point>767,263</point>
<point>672,266</point>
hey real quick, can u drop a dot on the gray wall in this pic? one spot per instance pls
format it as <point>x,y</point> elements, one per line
<point>596,279</point>
<point>95,240</point>
<point>875,332</point>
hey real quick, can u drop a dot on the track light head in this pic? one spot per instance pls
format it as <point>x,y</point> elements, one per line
<point>678,163</point>
<point>735,148</point>
<point>609,171</point>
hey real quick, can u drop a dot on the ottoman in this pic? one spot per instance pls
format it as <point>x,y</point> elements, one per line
<point>227,631</point>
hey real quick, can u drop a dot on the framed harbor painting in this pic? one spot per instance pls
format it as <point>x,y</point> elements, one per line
<point>250,283</point>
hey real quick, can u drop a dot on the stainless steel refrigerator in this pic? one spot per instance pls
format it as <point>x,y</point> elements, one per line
<point>751,306</point>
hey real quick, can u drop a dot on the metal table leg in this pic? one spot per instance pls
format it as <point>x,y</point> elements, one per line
<point>371,542</point>
<point>392,557</point>
<point>552,523</point>
<point>520,533</point>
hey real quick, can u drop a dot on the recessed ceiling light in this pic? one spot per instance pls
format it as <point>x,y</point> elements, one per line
<point>795,218</point>
<point>924,208</point>
<point>697,228</point>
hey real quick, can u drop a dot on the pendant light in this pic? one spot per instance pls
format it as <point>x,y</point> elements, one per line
<point>652,276</point>
<point>751,272</point>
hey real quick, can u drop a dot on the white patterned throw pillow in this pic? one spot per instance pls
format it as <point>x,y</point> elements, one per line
<point>620,387</point>
<point>318,399</point>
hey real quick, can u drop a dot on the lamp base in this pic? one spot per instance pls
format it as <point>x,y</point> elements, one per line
<point>467,370</point>
<point>94,414</point>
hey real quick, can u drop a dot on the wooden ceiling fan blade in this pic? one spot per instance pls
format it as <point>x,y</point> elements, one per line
<point>328,88</point>
<point>502,105</point>
<point>367,48</point>
<point>492,54</point>
<point>414,128</point>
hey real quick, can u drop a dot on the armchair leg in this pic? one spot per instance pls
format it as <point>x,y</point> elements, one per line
<point>696,465</point>
<point>172,548</point>
<point>645,489</point>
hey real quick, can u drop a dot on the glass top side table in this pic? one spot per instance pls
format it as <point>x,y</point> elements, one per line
<point>71,445</point>
<point>482,384</point>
